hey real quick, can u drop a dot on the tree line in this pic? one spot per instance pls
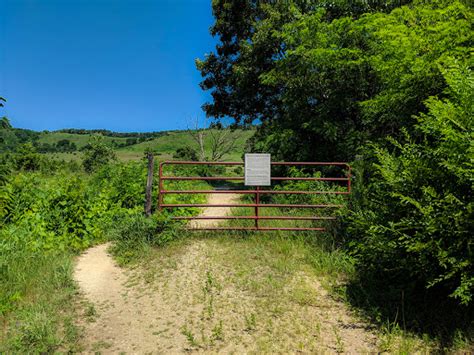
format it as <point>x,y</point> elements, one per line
<point>140,136</point>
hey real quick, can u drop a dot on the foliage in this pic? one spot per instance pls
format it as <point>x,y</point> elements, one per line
<point>51,213</point>
<point>134,234</point>
<point>141,136</point>
<point>97,154</point>
<point>63,146</point>
<point>123,184</point>
<point>412,230</point>
<point>314,79</point>
<point>11,138</point>
<point>315,186</point>
<point>27,158</point>
<point>248,48</point>
<point>328,81</point>
<point>5,123</point>
<point>36,300</point>
<point>186,153</point>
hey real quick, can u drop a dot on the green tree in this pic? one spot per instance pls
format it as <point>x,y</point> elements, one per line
<point>26,158</point>
<point>414,228</point>
<point>65,145</point>
<point>322,83</point>
<point>97,154</point>
<point>5,123</point>
<point>186,153</point>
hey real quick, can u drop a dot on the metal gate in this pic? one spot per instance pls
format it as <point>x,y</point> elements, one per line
<point>257,192</point>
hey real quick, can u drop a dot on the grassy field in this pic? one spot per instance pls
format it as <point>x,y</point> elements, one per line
<point>79,139</point>
<point>164,146</point>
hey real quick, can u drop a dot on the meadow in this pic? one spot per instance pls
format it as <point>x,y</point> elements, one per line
<point>164,147</point>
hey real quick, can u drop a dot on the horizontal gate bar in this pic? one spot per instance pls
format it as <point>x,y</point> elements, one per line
<point>253,192</point>
<point>300,218</point>
<point>258,229</point>
<point>280,163</point>
<point>241,178</point>
<point>272,205</point>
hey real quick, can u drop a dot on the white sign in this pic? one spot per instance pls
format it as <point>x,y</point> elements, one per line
<point>257,170</point>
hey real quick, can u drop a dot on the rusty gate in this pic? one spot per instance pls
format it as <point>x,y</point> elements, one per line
<point>257,192</point>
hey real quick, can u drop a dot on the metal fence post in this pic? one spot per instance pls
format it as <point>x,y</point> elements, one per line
<point>257,203</point>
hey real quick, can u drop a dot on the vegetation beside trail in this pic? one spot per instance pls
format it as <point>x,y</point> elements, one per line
<point>387,86</point>
<point>49,212</point>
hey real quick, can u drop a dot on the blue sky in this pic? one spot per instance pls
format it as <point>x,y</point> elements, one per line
<point>123,65</point>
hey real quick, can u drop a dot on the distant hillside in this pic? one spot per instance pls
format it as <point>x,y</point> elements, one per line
<point>130,147</point>
<point>80,140</point>
<point>107,133</point>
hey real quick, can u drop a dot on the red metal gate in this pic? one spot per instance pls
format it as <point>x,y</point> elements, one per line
<point>257,192</point>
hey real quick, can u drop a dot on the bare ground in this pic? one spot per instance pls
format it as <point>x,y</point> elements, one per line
<point>196,298</point>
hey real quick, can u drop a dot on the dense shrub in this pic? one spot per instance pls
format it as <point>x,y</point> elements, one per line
<point>133,234</point>
<point>414,220</point>
<point>26,158</point>
<point>122,183</point>
<point>186,153</point>
<point>97,154</point>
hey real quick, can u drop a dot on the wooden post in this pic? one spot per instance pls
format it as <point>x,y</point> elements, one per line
<point>149,184</point>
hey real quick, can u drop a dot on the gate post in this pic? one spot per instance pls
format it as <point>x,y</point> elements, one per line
<point>160,186</point>
<point>257,202</point>
<point>149,184</point>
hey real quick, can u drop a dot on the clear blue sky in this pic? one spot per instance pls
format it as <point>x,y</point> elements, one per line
<point>124,65</point>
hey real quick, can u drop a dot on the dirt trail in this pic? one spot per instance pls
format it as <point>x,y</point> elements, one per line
<point>124,321</point>
<point>190,300</point>
<point>215,199</point>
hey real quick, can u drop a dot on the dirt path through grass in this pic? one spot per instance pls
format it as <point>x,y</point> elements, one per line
<point>219,294</point>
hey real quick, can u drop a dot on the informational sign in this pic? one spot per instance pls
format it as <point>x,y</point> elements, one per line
<point>257,170</point>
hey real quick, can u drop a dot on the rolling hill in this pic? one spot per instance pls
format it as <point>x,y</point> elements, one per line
<point>164,146</point>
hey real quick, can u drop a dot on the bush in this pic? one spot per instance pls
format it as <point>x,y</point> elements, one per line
<point>412,226</point>
<point>96,155</point>
<point>133,234</point>
<point>27,158</point>
<point>186,153</point>
<point>124,184</point>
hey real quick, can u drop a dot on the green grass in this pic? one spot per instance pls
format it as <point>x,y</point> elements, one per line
<point>267,287</point>
<point>164,146</point>
<point>265,263</point>
<point>40,307</point>
<point>79,139</point>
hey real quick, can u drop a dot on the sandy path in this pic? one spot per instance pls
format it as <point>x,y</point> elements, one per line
<point>215,199</point>
<point>184,300</point>
<point>126,322</point>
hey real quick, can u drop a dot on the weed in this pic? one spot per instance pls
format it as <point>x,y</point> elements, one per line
<point>250,322</point>
<point>100,345</point>
<point>189,336</point>
<point>90,312</point>
<point>217,332</point>
<point>211,283</point>
<point>339,341</point>
<point>210,306</point>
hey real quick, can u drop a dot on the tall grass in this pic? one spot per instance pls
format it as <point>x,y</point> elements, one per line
<point>37,301</point>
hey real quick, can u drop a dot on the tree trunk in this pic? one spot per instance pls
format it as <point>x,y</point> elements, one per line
<point>149,184</point>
